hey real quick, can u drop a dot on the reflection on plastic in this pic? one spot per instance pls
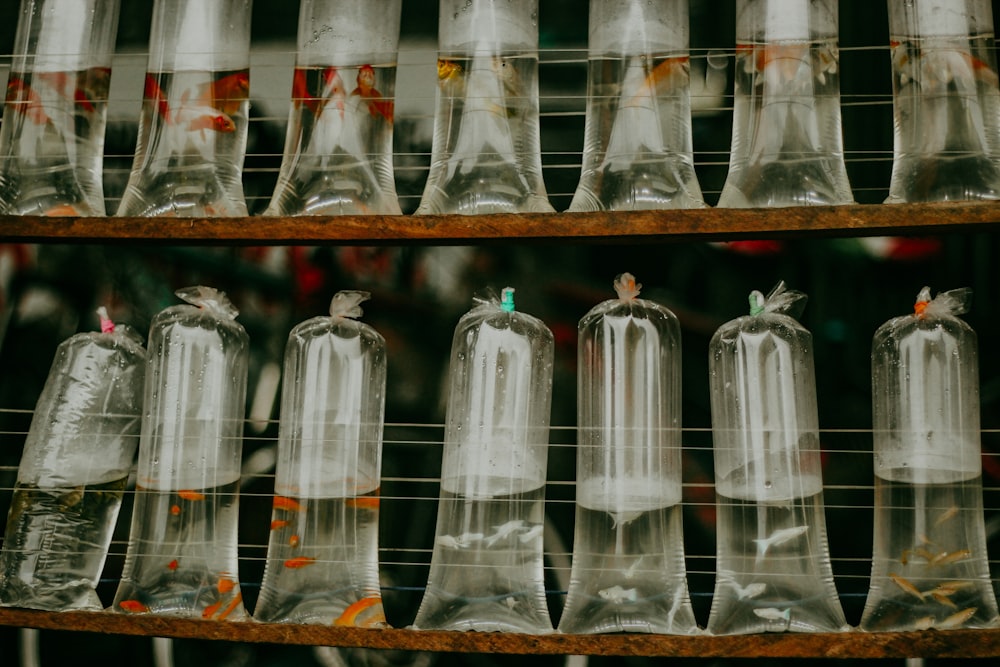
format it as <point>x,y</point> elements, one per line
<point>946,101</point>
<point>628,571</point>
<point>773,570</point>
<point>52,136</point>
<point>930,567</point>
<point>787,147</point>
<point>322,556</point>
<point>193,125</point>
<point>76,460</point>
<point>486,566</point>
<point>181,557</point>
<point>338,149</point>
<point>637,141</point>
<point>486,154</point>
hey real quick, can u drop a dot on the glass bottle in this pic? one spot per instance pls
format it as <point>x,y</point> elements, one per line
<point>486,566</point>
<point>52,136</point>
<point>73,471</point>
<point>787,147</point>
<point>773,571</point>
<point>338,149</point>
<point>637,150</point>
<point>193,125</point>
<point>946,101</point>
<point>486,155</point>
<point>322,556</point>
<point>181,557</point>
<point>628,571</point>
<point>929,565</point>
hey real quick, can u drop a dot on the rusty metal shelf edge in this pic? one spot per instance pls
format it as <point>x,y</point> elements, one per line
<point>698,224</point>
<point>853,644</point>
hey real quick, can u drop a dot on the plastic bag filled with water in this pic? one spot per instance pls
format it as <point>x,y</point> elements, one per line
<point>637,141</point>
<point>195,104</point>
<point>773,571</point>
<point>930,567</point>
<point>946,101</point>
<point>322,556</point>
<point>338,148</point>
<point>181,557</point>
<point>628,571</point>
<point>486,155</point>
<point>787,147</point>
<point>75,464</point>
<point>52,135</point>
<point>486,567</point>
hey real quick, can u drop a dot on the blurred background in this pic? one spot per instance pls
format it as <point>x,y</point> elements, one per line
<point>49,292</point>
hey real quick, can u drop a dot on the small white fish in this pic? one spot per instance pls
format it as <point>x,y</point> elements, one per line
<point>750,591</point>
<point>779,537</point>
<point>774,614</point>
<point>531,534</point>
<point>458,542</point>
<point>504,531</point>
<point>617,594</point>
<point>631,570</point>
<point>510,601</point>
<point>622,519</point>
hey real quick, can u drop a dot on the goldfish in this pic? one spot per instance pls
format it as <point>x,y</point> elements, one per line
<point>448,71</point>
<point>172,565</point>
<point>208,121</point>
<point>365,613</point>
<point>299,561</point>
<point>224,585</point>
<point>286,503</point>
<point>278,524</point>
<point>175,509</point>
<point>667,76</point>
<point>363,502</point>
<point>906,585</point>
<point>366,90</point>
<point>63,210</point>
<point>133,606</point>
<point>155,94</point>
<point>25,100</point>
<point>779,537</point>
<point>237,599</point>
<point>187,494</point>
<point>301,95</point>
<point>227,93</point>
<point>957,619</point>
<point>784,60</point>
<point>293,541</point>
<point>211,610</point>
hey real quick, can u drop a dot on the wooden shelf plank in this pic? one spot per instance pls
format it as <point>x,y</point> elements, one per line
<point>704,224</point>
<point>854,644</point>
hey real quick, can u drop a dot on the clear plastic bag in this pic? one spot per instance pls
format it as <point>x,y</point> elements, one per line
<point>76,461</point>
<point>322,557</point>
<point>628,571</point>
<point>486,567</point>
<point>773,571</point>
<point>181,557</point>
<point>929,565</point>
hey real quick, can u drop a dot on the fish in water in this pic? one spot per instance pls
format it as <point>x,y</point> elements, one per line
<point>504,531</point>
<point>779,537</point>
<point>774,614</point>
<point>749,591</point>
<point>617,594</point>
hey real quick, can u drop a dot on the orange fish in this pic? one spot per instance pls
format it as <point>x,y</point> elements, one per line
<point>229,92</point>
<point>25,100</point>
<point>232,606</point>
<point>216,123</point>
<point>172,565</point>
<point>225,584</point>
<point>133,606</point>
<point>210,610</point>
<point>787,57</point>
<point>278,524</point>
<point>377,105</point>
<point>286,503</point>
<point>364,502</point>
<point>187,494</point>
<point>299,561</point>
<point>153,93</point>
<point>365,613</point>
<point>293,541</point>
<point>175,509</point>
<point>66,85</point>
<point>301,96</point>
